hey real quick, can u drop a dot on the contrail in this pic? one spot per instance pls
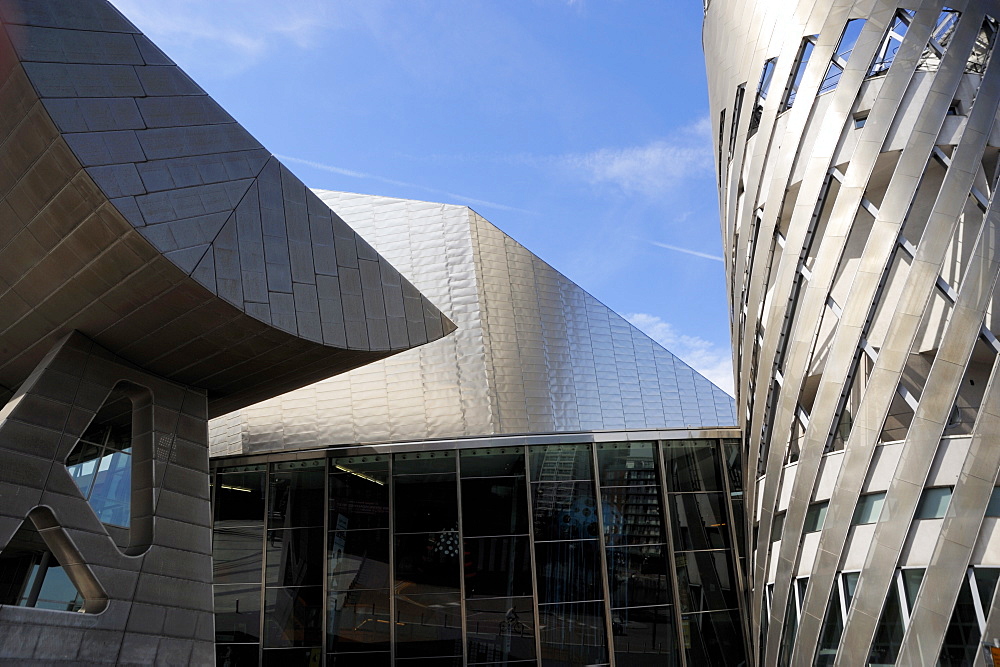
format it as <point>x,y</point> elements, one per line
<point>686,251</point>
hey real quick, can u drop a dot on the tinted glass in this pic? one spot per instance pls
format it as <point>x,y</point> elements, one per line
<point>237,554</point>
<point>868,509</point>
<point>428,625</point>
<point>425,503</point>
<point>556,463</point>
<point>494,506</point>
<point>497,567</point>
<point>239,499</point>
<point>638,576</point>
<point>359,660</point>
<point>358,559</point>
<point>993,508</point>
<point>645,637</point>
<point>358,621</point>
<point>293,616</point>
<point>284,657</point>
<point>934,503</point>
<point>716,639</point>
<point>986,582</point>
<point>422,463</point>
<point>294,557</point>
<point>358,502</point>
<point>699,521</point>
<point>236,655</point>
<point>297,499</point>
<point>492,462</point>
<point>833,627</point>
<point>428,562</point>
<point>632,515</point>
<point>816,517</point>
<point>374,468</point>
<point>568,571</point>
<point>564,511</point>
<point>626,463</point>
<point>500,629</point>
<point>705,580</point>
<point>573,634</point>
<point>237,613</point>
<point>889,634</point>
<point>961,640</point>
<point>692,467</point>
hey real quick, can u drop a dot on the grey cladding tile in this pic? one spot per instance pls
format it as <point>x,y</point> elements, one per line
<point>94,115</point>
<point>34,44</point>
<point>177,111</point>
<point>60,80</point>
<point>71,14</point>
<point>186,141</point>
<point>167,81</point>
<point>98,148</point>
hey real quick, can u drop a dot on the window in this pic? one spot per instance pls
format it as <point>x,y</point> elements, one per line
<point>993,508</point>
<point>890,43</point>
<point>860,120</point>
<point>816,517</point>
<point>805,52</point>
<point>762,89</point>
<point>868,509</point>
<point>777,526</point>
<point>844,48</point>
<point>934,503</point>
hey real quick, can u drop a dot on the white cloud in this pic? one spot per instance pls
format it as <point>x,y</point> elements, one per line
<point>653,169</point>
<point>703,356</point>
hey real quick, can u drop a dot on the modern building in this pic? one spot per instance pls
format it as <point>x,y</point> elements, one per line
<point>857,159</point>
<point>546,485</point>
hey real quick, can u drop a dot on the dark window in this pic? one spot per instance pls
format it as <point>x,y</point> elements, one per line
<point>815,517</point>
<point>869,508</point>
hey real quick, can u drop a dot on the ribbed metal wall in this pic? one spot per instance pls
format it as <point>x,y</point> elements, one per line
<point>857,161</point>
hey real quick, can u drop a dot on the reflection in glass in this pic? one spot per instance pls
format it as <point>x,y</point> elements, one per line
<point>573,634</point>
<point>626,464</point>
<point>358,559</point>
<point>833,627</point>
<point>497,567</point>
<point>239,498</point>
<point>294,557</point>
<point>551,463</point>
<point>293,616</point>
<point>716,638</point>
<point>638,576</point>
<point>297,496</point>
<point>494,506</point>
<point>357,621</point>
<point>236,655</point>
<point>961,640</point>
<point>426,503</point>
<point>492,462</point>
<point>692,466</point>
<point>105,480</point>
<point>889,635</point>
<point>645,637</point>
<point>564,511</point>
<point>568,571</point>
<point>986,583</point>
<point>428,625</point>
<point>237,613</point>
<point>699,521</point>
<point>359,660</point>
<point>422,463</point>
<point>705,580</point>
<point>632,515</point>
<point>500,630</point>
<point>283,657</point>
<point>236,554</point>
<point>427,562</point>
<point>358,502</point>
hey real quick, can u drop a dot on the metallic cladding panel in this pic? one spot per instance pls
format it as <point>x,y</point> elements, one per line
<point>907,287</point>
<point>533,352</point>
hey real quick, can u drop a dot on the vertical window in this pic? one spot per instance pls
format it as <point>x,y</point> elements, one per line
<point>816,517</point>
<point>993,508</point>
<point>734,127</point>
<point>868,509</point>
<point>890,43</point>
<point>762,89</point>
<point>805,52</point>
<point>843,53</point>
<point>934,503</point>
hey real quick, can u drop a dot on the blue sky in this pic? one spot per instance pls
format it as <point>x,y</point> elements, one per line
<point>579,127</point>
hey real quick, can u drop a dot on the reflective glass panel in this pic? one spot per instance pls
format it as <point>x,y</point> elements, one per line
<point>494,506</point>
<point>558,463</point>
<point>359,660</point>
<point>833,627</point>
<point>934,503</point>
<point>986,583</point>
<point>237,613</point>
<point>699,521</point>
<point>492,462</point>
<point>715,639</point>
<point>626,463</point>
<point>868,509</point>
<point>573,634</point>
<point>111,494</point>
<point>239,499</point>
<point>632,515</point>
<point>358,502</point>
<point>358,559</point>
<point>816,517</point>
<point>371,467</point>
<point>912,577</point>
<point>237,655</point>
<point>57,592</point>
<point>734,465</point>
<point>293,616</point>
<point>294,557</point>
<point>961,640</point>
<point>428,562</point>
<point>497,567</point>
<point>285,657</point>
<point>236,554</point>
<point>422,463</point>
<point>297,496</point>
<point>993,508</point>
<point>564,510</point>
<point>428,625</point>
<point>426,503</point>
<point>705,580</point>
<point>889,635</point>
<point>357,621</point>
<point>568,571</point>
<point>638,576</point>
<point>645,637</point>
<point>500,630</point>
<point>692,466</point>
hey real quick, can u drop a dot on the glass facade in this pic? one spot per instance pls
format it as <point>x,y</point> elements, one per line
<point>561,554</point>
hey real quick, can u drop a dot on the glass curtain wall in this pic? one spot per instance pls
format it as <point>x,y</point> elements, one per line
<point>572,554</point>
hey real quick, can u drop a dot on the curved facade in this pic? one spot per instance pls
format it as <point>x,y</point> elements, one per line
<point>857,160</point>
